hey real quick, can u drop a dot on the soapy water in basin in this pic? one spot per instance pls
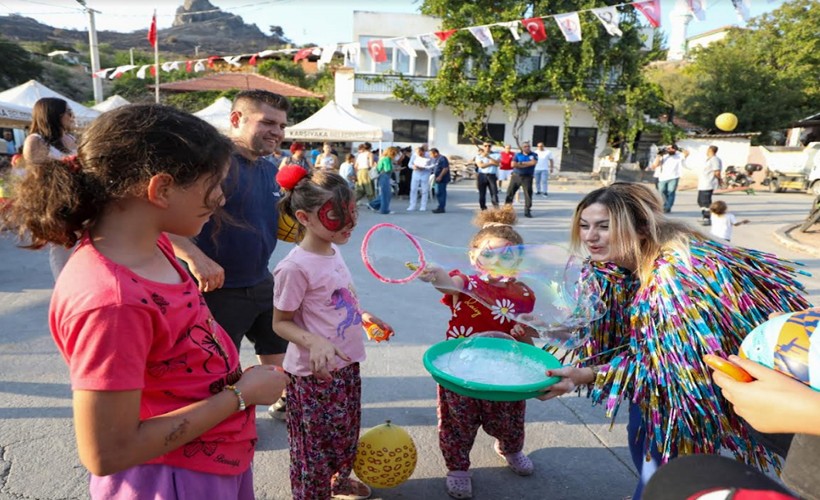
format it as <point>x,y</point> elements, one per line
<point>487,366</point>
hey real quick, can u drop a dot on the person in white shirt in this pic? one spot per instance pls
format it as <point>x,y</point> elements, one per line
<point>420,179</point>
<point>708,181</point>
<point>668,165</point>
<point>486,163</point>
<point>723,221</point>
<point>543,168</point>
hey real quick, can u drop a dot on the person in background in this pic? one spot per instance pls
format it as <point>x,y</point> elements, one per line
<point>523,171</point>
<point>229,259</point>
<point>420,179</point>
<point>348,170</point>
<point>384,181</point>
<point>486,163</point>
<point>326,159</point>
<point>708,181</point>
<point>364,162</point>
<point>723,221</point>
<point>317,310</point>
<point>405,172</point>
<point>668,165</point>
<point>11,148</point>
<point>50,137</point>
<point>672,295</point>
<point>505,158</point>
<point>544,167</point>
<point>155,380</point>
<point>297,156</point>
<point>441,176</point>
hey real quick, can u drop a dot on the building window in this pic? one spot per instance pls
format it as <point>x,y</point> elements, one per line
<point>493,132</point>
<point>546,134</point>
<point>410,130</point>
<point>528,64</point>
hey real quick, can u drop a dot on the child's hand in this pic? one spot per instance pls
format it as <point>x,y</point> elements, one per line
<point>323,358</point>
<point>262,384</point>
<point>773,402</point>
<point>523,333</point>
<point>571,378</point>
<point>369,318</point>
<point>431,273</point>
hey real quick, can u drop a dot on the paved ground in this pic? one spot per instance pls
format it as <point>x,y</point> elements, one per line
<point>577,455</point>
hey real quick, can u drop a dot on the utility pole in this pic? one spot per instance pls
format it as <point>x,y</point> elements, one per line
<point>95,51</point>
<point>131,50</point>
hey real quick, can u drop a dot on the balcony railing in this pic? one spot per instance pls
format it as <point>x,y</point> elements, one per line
<point>365,83</point>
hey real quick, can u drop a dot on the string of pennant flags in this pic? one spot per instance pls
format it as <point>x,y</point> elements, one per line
<point>569,24</point>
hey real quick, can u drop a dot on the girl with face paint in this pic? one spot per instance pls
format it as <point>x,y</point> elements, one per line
<point>316,309</point>
<point>495,253</point>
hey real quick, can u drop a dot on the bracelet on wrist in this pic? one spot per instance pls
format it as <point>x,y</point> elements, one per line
<point>238,396</point>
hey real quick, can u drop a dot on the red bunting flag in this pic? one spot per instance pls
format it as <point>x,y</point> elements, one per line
<point>152,31</point>
<point>252,60</point>
<point>211,61</point>
<point>535,26</point>
<point>189,66</point>
<point>302,54</point>
<point>444,35</point>
<point>376,49</point>
<point>652,10</point>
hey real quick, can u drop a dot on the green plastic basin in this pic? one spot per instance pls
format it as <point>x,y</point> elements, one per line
<point>491,392</point>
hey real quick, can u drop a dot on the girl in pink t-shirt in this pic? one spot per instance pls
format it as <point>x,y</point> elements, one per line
<point>316,309</point>
<point>161,404</point>
<point>494,252</point>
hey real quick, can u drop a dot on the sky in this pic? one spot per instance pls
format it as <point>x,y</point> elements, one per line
<point>321,22</point>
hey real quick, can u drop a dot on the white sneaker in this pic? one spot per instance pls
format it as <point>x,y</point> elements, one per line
<point>411,209</point>
<point>423,209</point>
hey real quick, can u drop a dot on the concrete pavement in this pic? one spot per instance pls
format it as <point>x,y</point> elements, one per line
<point>576,454</point>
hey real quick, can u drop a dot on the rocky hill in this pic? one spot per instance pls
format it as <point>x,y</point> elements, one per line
<point>212,30</point>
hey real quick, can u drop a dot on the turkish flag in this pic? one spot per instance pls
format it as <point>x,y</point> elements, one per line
<point>444,35</point>
<point>376,49</point>
<point>152,31</point>
<point>652,10</point>
<point>302,54</point>
<point>535,26</point>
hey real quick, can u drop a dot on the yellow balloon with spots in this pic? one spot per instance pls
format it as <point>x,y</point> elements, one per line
<point>386,456</point>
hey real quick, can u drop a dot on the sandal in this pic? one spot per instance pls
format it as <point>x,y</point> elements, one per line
<point>518,462</point>
<point>349,489</point>
<point>459,484</point>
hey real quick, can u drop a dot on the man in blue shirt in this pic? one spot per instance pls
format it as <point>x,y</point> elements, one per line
<point>441,176</point>
<point>229,258</point>
<point>523,169</point>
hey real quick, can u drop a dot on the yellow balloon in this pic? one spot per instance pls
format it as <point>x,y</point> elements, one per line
<point>726,122</point>
<point>288,229</point>
<point>386,456</point>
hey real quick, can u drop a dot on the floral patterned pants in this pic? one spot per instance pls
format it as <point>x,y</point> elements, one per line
<point>459,418</point>
<point>324,418</point>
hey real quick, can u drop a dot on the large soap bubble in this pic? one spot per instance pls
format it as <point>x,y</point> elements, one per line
<point>567,297</point>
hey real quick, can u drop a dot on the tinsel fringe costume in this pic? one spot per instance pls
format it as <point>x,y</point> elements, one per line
<point>653,337</point>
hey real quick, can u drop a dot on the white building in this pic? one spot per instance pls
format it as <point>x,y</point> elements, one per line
<point>440,128</point>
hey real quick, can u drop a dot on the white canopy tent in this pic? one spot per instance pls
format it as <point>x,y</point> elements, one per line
<point>113,102</point>
<point>14,115</point>
<point>217,114</point>
<point>30,92</point>
<point>335,123</point>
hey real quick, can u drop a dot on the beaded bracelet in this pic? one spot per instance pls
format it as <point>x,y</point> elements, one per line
<point>238,395</point>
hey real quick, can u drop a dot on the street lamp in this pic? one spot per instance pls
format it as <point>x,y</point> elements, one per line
<point>95,51</point>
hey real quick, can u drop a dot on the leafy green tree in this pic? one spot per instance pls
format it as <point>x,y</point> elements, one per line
<point>18,66</point>
<point>600,71</point>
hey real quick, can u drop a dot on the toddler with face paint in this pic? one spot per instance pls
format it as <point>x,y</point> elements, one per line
<point>495,253</point>
<point>316,309</point>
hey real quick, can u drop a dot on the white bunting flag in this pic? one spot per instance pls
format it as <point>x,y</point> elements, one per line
<point>430,45</point>
<point>697,8</point>
<point>742,9</point>
<point>327,55</point>
<point>610,18</point>
<point>199,66</point>
<point>351,53</point>
<point>121,70</point>
<point>167,66</point>
<point>142,70</point>
<point>513,26</point>
<point>570,25</point>
<point>483,35</point>
<point>405,46</point>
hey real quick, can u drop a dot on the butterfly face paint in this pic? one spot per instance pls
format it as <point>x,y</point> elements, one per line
<point>333,222</point>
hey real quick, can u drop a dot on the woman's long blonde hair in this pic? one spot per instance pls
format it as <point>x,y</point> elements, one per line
<point>639,231</point>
